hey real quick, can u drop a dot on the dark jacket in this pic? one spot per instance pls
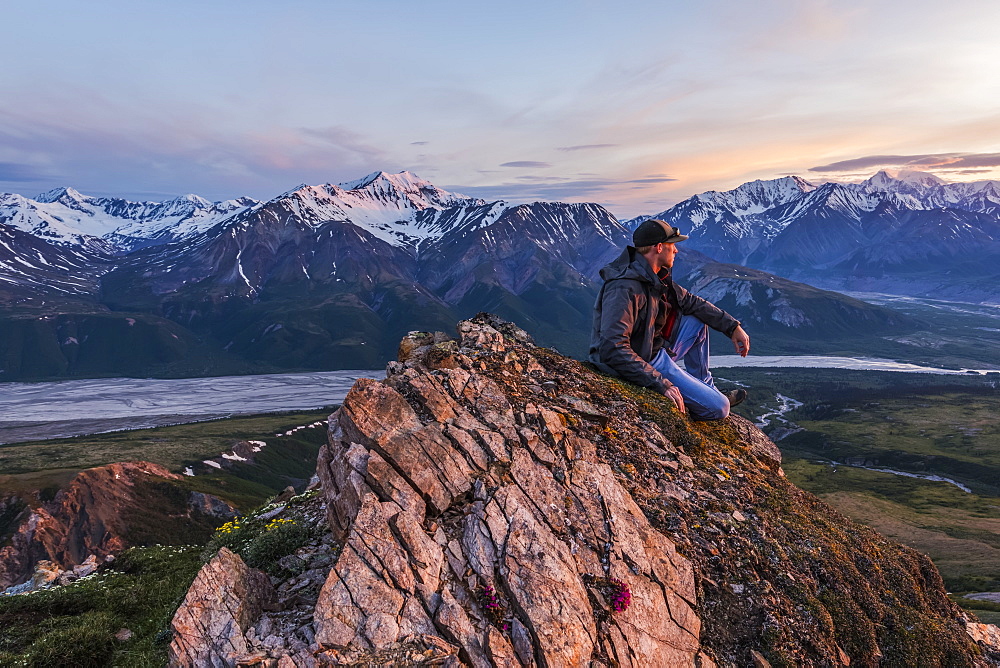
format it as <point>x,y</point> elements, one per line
<point>630,314</point>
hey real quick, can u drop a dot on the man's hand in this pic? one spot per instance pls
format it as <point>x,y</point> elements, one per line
<point>741,341</point>
<point>674,394</point>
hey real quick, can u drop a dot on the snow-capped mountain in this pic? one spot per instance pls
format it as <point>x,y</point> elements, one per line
<point>400,209</point>
<point>758,196</point>
<point>903,181</point>
<point>980,196</point>
<point>383,228</point>
<point>892,223</point>
<point>30,266</point>
<point>355,265</point>
<point>112,225</point>
<point>323,277</point>
<point>381,189</point>
<point>720,220</point>
<point>56,222</point>
<point>174,220</point>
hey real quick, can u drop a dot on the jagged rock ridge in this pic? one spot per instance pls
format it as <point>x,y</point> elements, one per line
<point>101,512</point>
<point>494,499</point>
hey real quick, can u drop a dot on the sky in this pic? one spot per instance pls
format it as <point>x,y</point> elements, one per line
<point>633,105</point>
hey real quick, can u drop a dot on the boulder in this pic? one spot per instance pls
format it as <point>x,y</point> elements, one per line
<point>224,601</point>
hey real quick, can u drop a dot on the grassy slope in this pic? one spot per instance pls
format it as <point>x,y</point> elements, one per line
<point>76,625</point>
<point>910,422</point>
<point>49,465</point>
<point>172,446</point>
<point>953,434</point>
<point>807,577</point>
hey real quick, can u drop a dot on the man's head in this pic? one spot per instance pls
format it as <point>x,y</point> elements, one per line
<point>655,240</point>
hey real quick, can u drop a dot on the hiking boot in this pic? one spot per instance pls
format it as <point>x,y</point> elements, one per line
<point>736,397</point>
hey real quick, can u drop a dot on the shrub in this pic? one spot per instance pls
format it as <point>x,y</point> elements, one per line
<point>279,538</point>
<point>260,542</point>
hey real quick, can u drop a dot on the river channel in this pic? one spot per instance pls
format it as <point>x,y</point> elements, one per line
<point>35,411</point>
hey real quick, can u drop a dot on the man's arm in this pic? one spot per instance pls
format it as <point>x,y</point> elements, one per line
<point>708,313</point>
<point>621,302</point>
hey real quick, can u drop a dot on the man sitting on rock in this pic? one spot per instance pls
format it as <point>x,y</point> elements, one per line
<point>644,324</point>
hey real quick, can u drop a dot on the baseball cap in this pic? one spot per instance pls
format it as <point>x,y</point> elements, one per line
<point>654,231</point>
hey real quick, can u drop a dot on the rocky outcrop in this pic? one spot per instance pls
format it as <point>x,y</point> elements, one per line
<point>224,600</point>
<point>48,574</point>
<point>498,504</point>
<point>487,464</point>
<point>101,512</point>
<point>988,638</point>
<point>283,629</point>
<point>210,505</point>
<point>515,510</point>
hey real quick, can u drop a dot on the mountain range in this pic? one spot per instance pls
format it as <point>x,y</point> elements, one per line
<point>903,233</point>
<point>332,276</point>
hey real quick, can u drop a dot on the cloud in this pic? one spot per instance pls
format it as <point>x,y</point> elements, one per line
<point>15,172</point>
<point>542,179</point>
<point>179,154</point>
<point>926,161</point>
<point>525,163</point>
<point>651,179</point>
<point>419,143</point>
<point>554,189</point>
<point>977,160</point>
<point>584,147</point>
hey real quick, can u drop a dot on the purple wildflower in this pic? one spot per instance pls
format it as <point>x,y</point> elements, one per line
<point>494,609</point>
<point>608,592</point>
<point>621,597</point>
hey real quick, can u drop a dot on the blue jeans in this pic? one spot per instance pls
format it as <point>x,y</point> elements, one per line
<point>695,382</point>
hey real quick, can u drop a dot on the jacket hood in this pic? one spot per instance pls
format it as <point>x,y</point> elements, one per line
<point>630,265</point>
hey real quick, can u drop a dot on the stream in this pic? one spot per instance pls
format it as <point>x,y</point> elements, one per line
<point>906,474</point>
<point>785,404</point>
<point>787,428</point>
